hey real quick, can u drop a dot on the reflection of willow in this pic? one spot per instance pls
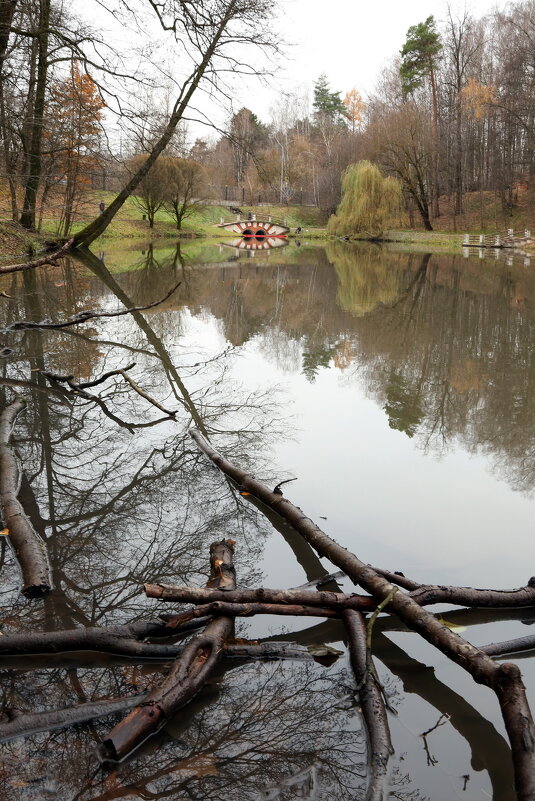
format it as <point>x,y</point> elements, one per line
<point>368,277</point>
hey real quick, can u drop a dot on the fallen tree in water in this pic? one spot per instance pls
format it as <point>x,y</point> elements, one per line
<point>188,674</point>
<point>504,679</point>
<point>214,610</point>
<point>28,547</point>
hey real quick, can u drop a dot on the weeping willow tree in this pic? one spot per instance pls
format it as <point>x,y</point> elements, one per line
<point>368,198</point>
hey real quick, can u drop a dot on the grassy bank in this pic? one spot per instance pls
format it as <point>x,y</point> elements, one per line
<point>480,216</point>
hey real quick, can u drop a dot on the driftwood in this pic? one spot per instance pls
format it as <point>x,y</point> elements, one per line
<point>51,258</point>
<point>26,724</point>
<point>28,547</point>
<point>249,610</point>
<point>510,646</point>
<point>84,316</point>
<point>505,679</point>
<point>425,595</point>
<point>126,641</point>
<point>262,596</point>
<point>188,674</point>
<point>119,640</point>
<point>372,705</point>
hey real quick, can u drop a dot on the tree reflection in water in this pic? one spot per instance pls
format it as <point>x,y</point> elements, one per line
<point>117,508</point>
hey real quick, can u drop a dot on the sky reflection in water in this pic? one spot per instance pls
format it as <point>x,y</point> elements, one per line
<point>397,387</point>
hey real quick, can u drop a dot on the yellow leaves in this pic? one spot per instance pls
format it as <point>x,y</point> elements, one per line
<point>4,532</point>
<point>451,626</point>
<point>477,98</point>
<point>354,108</point>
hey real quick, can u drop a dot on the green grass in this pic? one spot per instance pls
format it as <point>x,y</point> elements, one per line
<point>129,223</point>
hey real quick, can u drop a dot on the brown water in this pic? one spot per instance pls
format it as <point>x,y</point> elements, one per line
<point>398,387</point>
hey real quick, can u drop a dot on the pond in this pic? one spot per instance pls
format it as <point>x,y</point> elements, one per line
<point>395,387</point>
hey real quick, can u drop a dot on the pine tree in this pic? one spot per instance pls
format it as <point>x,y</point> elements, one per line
<point>419,58</point>
<point>419,55</point>
<point>326,102</point>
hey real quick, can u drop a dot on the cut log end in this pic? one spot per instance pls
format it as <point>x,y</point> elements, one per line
<point>33,591</point>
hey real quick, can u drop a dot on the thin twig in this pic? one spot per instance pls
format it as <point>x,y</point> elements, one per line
<point>83,317</point>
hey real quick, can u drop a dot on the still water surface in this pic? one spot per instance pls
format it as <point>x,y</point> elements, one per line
<point>396,386</point>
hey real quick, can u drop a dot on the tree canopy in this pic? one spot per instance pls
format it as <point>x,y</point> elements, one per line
<point>367,200</point>
<point>325,101</point>
<point>419,54</point>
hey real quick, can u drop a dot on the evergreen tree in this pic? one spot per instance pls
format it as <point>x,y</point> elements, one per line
<point>327,102</point>
<point>419,55</point>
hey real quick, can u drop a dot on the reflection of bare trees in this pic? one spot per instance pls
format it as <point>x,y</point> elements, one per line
<point>264,732</point>
<point>118,509</point>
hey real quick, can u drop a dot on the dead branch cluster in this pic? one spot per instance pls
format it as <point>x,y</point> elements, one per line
<point>212,613</point>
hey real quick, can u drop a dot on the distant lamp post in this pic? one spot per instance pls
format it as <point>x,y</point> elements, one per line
<point>226,192</point>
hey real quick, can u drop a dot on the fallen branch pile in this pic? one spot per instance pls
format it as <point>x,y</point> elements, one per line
<point>214,608</point>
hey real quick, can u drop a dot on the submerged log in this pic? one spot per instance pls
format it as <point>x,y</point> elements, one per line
<point>188,674</point>
<point>372,704</point>
<point>27,545</point>
<point>51,258</point>
<point>118,640</point>
<point>26,724</point>
<point>510,646</point>
<point>84,316</point>
<point>505,679</point>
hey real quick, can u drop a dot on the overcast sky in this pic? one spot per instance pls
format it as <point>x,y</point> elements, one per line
<point>348,40</point>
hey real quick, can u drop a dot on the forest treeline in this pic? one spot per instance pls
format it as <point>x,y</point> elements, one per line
<point>453,113</point>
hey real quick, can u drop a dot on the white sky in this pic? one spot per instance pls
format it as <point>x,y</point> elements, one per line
<point>348,40</point>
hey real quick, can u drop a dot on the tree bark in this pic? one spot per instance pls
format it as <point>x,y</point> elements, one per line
<point>28,547</point>
<point>509,646</point>
<point>260,597</point>
<point>188,674</point>
<point>23,725</point>
<point>372,705</point>
<point>423,594</point>
<point>504,679</point>
<point>250,609</point>
<point>27,218</point>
